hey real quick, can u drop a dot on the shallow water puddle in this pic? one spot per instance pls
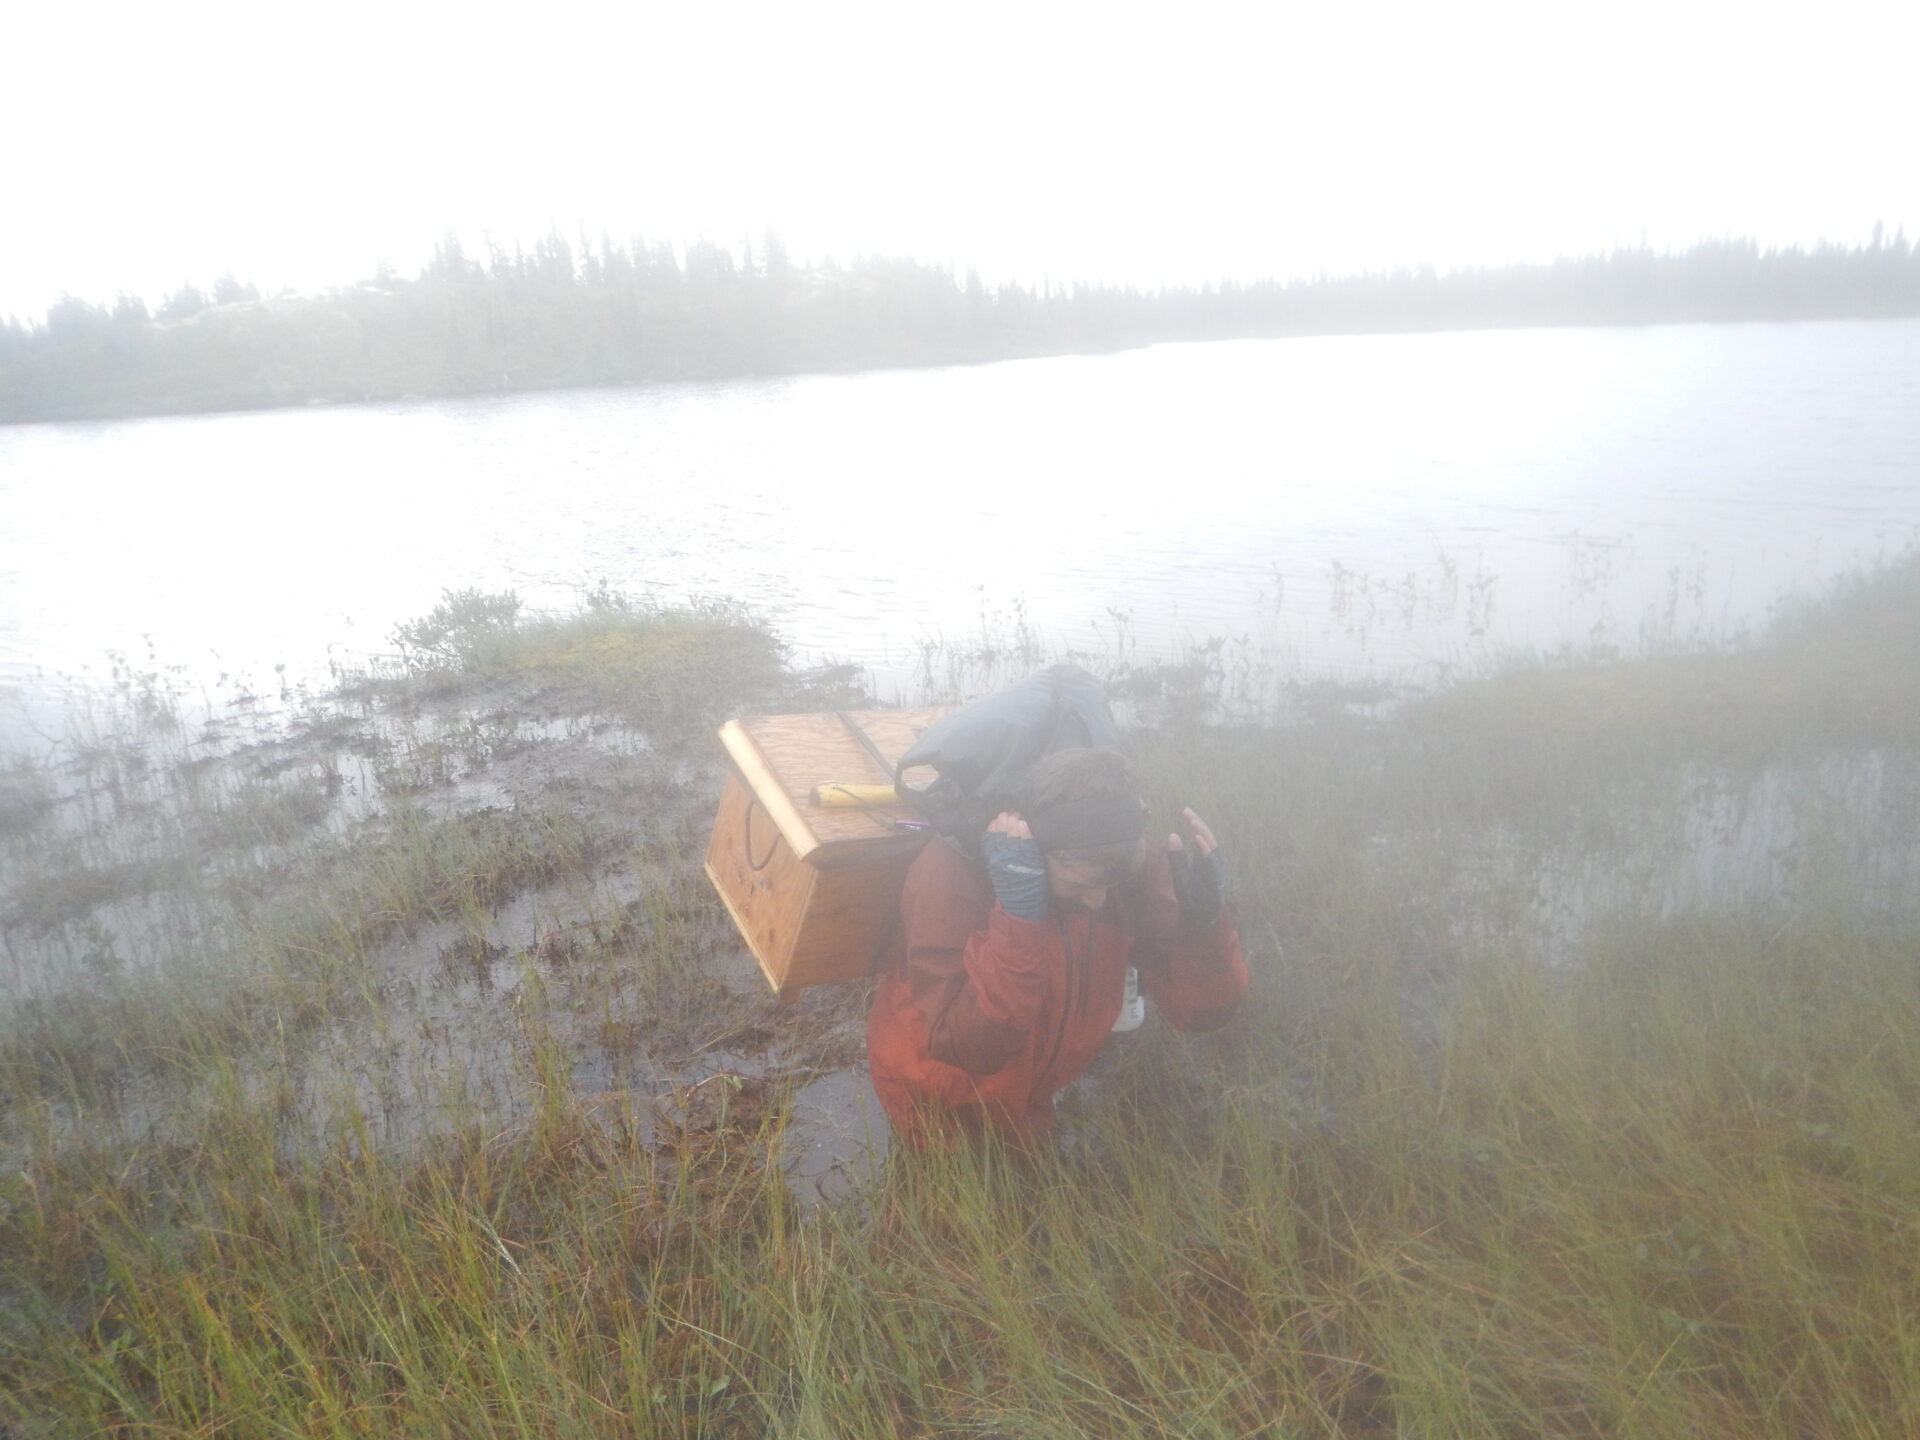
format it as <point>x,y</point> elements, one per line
<point>837,1137</point>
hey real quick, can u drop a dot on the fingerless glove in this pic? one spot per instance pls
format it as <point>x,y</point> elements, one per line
<point>1200,883</point>
<point>1019,874</point>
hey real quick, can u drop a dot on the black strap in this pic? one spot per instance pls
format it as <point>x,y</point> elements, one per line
<point>753,804</point>
<point>866,744</point>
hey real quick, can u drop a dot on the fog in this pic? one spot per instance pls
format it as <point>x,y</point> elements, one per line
<point>1537,635</point>
<point>304,147</point>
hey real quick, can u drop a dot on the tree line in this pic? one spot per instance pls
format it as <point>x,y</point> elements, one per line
<point>568,313</point>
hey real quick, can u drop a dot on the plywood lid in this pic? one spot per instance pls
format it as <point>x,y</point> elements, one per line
<point>782,758</point>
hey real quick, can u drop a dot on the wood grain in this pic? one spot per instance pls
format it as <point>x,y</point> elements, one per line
<point>814,890</point>
<point>783,757</point>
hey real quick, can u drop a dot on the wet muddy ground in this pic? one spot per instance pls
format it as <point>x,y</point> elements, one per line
<point>433,896</point>
<point>527,908</point>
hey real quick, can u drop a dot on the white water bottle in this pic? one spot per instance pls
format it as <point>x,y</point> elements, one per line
<point>1133,1009</point>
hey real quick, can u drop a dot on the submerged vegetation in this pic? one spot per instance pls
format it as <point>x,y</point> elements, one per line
<point>387,1069</point>
<point>571,313</point>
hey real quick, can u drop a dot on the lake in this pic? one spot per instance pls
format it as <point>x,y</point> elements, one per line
<point>1385,507</point>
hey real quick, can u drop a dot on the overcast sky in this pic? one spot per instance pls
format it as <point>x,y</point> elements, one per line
<point>303,145</point>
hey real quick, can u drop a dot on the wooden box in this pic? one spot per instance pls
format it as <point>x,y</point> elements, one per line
<point>814,890</point>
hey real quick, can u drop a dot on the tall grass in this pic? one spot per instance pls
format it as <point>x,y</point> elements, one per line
<point>1474,1161</point>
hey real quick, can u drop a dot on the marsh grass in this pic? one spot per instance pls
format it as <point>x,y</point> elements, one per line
<point>614,657</point>
<point>453,1124</point>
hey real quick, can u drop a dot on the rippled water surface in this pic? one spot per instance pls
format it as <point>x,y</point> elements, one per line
<point>1391,505</point>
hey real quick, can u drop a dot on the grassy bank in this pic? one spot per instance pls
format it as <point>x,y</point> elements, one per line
<point>393,1073</point>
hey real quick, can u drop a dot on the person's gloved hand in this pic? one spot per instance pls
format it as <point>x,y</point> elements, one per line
<point>1200,874</point>
<point>1016,867</point>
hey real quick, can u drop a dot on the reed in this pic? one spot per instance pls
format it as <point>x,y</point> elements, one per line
<point>1576,1095</point>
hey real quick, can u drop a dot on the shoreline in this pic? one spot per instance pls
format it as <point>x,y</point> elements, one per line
<point>409,1033</point>
<point>239,403</point>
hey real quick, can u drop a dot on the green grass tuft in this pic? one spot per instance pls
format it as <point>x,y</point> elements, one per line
<point>1576,1096</point>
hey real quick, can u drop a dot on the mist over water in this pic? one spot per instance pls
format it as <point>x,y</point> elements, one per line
<point>1377,506</point>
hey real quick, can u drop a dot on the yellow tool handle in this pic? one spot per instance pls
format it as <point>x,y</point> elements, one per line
<point>836,794</point>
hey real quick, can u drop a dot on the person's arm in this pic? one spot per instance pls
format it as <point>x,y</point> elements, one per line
<point>1195,971</point>
<point>976,971</point>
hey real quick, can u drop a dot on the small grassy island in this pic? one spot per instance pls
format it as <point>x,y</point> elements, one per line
<point>383,1066</point>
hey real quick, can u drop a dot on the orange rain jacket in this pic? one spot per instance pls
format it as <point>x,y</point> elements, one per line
<point>984,1017</point>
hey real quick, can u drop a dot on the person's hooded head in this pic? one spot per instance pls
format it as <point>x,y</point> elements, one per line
<point>1083,808</point>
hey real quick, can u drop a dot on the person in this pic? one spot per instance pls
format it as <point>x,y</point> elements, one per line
<point>1010,968</point>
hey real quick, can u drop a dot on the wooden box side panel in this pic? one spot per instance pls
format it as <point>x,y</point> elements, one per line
<point>765,888</point>
<point>851,912</point>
